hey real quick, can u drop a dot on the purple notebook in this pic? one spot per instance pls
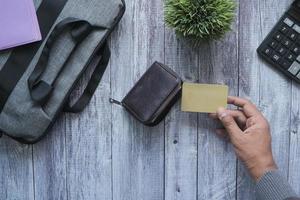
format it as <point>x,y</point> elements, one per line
<point>18,23</point>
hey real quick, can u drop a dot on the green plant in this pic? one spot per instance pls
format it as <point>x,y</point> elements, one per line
<point>200,19</point>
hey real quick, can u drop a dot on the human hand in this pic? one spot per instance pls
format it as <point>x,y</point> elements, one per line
<point>249,132</point>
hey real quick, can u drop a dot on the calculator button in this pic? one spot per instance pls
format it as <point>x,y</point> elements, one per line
<point>296,50</point>
<point>284,29</point>
<point>298,58</point>
<point>274,44</point>
<point>298,76</point>
<point>275,57</point>
<point>287,43</point>
<point>278,37</point>
<point>293,35</point>
<point>288,22</point>
<point>285,64</point>
<point>268,51</point>
<point>294,69</point>
<point>290,57</point>
<point>281,50</point>
<point>296,28</point>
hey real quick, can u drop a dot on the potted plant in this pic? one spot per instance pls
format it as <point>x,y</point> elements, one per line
<point>200,20</point>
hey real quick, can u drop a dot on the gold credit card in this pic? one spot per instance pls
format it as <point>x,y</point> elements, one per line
<point>203,98</point>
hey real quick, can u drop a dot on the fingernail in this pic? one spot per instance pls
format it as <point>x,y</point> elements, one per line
<point>221,112</point>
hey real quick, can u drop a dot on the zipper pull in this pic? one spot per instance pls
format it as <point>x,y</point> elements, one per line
<point>115,102</point>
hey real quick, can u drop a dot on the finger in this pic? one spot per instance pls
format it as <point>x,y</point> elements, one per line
<point>238,115</point>
<point>249,108</point>
<point>252,129</point>
<point>229,123</point>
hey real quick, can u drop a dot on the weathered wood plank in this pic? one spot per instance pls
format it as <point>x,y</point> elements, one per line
<point>275,89</point>
<point>249,73</point>
<point>218,63</point>
<point>294,158</point>
<point>256,20</point>
<point>181,128</point>
<point>138,151</point>
<point>16,170</point>
<point>49,158</point>
<point>104,153</point>
<point>88,148</point>
<point>74,160</point>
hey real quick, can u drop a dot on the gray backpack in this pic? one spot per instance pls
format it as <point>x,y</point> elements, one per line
<point>36,80</point>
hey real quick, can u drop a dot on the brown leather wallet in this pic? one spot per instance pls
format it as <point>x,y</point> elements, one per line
<point>152,97</point>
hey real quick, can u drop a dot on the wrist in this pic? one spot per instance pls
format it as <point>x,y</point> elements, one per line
<point>262,166</point>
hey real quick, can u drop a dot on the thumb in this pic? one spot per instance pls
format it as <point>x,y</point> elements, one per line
<point>229,123</point>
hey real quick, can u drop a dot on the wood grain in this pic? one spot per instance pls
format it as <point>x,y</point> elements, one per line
<point>16,170</point>
<point>255,83</point>
<point>250,38</point>
<point>49,159</point>
<point>180,127</point>
<point>218,63</point>
<point>275,89</point>
<point>104,153</point>
<point>74,160</point>
<point>88,148</point>
<point>138,151</point>
<point>294,155</point>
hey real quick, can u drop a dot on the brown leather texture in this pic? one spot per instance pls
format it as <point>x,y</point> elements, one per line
<point>152,93</point>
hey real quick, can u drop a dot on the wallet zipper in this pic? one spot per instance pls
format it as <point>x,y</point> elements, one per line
<point>113,101</point>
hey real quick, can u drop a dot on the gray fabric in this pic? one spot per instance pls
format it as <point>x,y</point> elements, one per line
<point>20,116</point>
<point>272,186</point>
<point>3,57</point>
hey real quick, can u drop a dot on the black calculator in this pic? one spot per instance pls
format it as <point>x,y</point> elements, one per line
<point>281,48</point>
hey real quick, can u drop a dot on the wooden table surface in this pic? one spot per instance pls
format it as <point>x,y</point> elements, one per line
<point>104,154</point>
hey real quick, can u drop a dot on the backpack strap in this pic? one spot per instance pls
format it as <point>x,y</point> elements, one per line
<point>40,90</point>
<point>100,64</point>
